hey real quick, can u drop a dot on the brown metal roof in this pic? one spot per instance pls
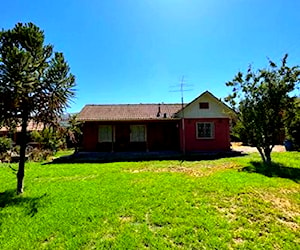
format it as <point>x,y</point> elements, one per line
<point>121,112</point>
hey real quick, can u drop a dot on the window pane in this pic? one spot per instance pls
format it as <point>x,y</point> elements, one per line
<point>204,130</point>
<point>207,130</point>
<point>204,105</point>
<point>137,133</point>
<point>105,133</point>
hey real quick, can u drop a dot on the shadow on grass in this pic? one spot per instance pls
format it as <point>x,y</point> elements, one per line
<point>10,198</point>
<point>274,170</point>
<point>106,157</point>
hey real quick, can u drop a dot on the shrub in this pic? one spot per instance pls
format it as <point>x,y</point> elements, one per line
<point>49,138</point>
<point>40,154</point>
<point>292,124</point>
<point>5,146</point>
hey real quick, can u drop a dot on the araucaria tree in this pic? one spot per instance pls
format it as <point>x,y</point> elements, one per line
<point>35,83</point>
<point>261,99</point>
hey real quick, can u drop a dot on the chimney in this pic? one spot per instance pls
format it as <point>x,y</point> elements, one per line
<point>158,113</point>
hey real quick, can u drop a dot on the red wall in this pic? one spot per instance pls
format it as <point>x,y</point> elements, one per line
<point>220,142</point>
<point>161,135</point>
<point>90,136</point>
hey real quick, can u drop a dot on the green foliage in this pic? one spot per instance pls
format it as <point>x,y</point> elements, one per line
<point>292,124</point>
<point>238,132</point>
<point>35,83</point>
<point>49,138</point>
<point>261,98</point>
<point>213,204</point>
<point>74,131</point>
<point>5,144</point>
<point>38,155</point>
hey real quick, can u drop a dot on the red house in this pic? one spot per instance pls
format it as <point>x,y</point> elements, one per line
<point>201,125</point>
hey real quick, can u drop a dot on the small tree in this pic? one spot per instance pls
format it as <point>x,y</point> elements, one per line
<point>261,99</point>
<point>35,83</point>
<point>50,138</point>
<point>74,131</point>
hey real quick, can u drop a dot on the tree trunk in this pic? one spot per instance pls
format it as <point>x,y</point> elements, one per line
<point>267,152</point>
<point>261,153</point>
<point>20,174</point>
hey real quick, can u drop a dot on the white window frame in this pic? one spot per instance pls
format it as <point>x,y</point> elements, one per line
<point>106,136</point>
<point>136,134</point>
<point>212,130</point>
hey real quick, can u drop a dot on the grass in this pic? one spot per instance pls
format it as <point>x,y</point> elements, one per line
<point>230,203</point>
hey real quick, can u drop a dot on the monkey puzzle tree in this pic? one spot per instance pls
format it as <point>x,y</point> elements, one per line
<point>35,83</point>
<point>263,97</point>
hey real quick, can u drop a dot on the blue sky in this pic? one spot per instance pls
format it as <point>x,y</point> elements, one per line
<point>135,51</point>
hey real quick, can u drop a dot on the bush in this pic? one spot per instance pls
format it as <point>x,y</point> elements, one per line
<point>37,155</point>
<point>292,125</point>
<point>49,138</point>
<point>5,144</point>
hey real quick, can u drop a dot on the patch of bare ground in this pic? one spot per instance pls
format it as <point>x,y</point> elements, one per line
<point>261,209</point>
<point>228,208</point>
<point>126,219</point>
<point>282,208</point>
<point>238,146</point>
<point>195,171</point>
<point>67,178</point>
<point>289,210</point>
<point>48,240</point>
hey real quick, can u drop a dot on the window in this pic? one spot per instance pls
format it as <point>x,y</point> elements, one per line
<point>105,133</point>
<point>204,105</point>
<point>205,130</point>
<point>137,133</point>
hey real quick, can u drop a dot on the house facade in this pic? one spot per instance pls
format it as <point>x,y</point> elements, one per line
<point>201,125</point>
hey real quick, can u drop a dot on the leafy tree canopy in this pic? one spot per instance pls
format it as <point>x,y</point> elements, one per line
<point>261,99</point>
<point>292,124</point>
<point>35,82</point>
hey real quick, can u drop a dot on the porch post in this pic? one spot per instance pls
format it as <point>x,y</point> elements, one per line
<point>146,138</point>
<point>112,137</point>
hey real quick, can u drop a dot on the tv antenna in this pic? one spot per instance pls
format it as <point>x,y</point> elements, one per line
<point>182,88</point>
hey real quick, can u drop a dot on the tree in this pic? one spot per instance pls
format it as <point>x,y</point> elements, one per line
<point>50,138</point>
<point>263,96</point>
<point>35,83</point>
<point>74,131</point>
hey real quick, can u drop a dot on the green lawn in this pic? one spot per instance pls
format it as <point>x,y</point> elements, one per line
<point>228,203</point>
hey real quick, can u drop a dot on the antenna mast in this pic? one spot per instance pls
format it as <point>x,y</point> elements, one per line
<point>182,85</point>
<point>181,90</point>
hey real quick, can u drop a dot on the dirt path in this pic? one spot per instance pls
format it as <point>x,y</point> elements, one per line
<point>237,146</point>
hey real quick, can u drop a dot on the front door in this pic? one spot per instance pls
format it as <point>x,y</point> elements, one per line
<point>122,138</point>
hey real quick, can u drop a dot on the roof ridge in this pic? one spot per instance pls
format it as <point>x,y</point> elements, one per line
<point>128,104</point>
